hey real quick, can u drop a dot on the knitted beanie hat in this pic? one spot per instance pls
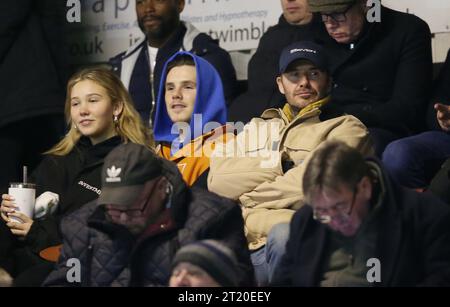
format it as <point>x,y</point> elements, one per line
<point>218,260</point>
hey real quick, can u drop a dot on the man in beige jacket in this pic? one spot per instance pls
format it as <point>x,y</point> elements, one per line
<point>262,167</point>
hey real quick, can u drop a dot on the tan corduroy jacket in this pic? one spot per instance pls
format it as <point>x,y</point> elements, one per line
<point>249,168</point>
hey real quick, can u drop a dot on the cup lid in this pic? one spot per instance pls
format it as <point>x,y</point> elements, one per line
<point>22,185</point>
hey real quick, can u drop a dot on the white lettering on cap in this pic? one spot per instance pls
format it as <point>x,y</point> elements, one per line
<point>303,50</point>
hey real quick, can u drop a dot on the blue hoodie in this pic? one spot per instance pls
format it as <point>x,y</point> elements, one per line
<point>209,102</point>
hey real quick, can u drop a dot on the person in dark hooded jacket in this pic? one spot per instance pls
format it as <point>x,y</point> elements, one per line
<point>381,67</point>
<point>145,214</point>
<point>190,115</point>
<point>361,229</point>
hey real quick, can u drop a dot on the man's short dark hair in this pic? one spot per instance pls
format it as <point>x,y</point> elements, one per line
<point>181,60</point>
<point>334,164</point>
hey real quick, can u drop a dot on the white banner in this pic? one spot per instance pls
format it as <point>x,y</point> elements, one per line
<point>238,24</point>
<point>109,27</point>
<point>435,12</point>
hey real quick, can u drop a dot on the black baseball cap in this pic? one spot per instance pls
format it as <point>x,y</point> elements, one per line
<point>125,171</point>
<point>303,50</point>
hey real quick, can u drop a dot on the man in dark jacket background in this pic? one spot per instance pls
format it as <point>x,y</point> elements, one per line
<point>382,69</point>
<point>140,67</point>
<point>413,161</point>
<point>33,77</point>
<point>295,24</point>
<point>143,216</point>
<point>361,229</point>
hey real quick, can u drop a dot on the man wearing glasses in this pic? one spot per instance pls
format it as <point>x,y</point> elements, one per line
<point>272,152</point>
<point>382,71</point>
<point>145,213</point>
<point>361,229</point>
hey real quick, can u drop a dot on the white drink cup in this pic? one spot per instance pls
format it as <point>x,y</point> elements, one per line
<point>24,197</point>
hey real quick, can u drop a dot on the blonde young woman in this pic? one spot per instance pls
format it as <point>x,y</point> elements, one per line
<point>100,115</point>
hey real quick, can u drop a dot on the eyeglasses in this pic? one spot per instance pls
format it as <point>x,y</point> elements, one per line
<point>338,16</point>
<point>342,209</point>
<point>116,213</point>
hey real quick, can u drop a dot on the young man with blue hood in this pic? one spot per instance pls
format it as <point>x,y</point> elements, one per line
<point>190,114</point>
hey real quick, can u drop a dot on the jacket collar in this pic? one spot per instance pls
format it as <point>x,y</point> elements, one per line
<point>163,224</point>
<point>390,225</point>
<point>287,110</point>
<point>92,155</point>
<point>314,249</point>
<point>129,60</point>
<point>191,33</point>
<point>311,110</point>
<point>174,43</point>
<point>282,22</point>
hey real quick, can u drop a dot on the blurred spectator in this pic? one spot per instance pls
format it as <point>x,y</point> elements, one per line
<point>415,160</point>
<point>32,77</point>
<point>140,67</point>
<point>382,69</point>
<point>361,229</point>
<point>206,263</point>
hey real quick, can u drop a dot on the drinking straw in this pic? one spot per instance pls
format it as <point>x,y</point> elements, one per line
<point>24,174</point>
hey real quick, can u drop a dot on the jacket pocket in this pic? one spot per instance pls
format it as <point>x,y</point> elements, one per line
<point>298,146</point>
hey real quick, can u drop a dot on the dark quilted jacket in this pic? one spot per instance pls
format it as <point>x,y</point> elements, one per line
<point>110,256</point>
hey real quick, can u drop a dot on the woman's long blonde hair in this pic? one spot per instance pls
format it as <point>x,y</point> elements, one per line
<point>129,125</point>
